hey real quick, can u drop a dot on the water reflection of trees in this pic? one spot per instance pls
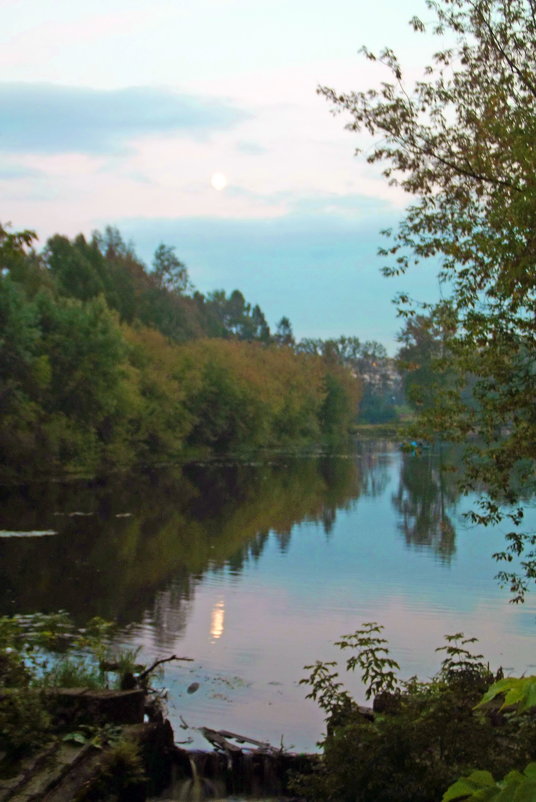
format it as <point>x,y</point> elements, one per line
<point>375,457</point>
<point>145,541</point>
<point>425,493</point>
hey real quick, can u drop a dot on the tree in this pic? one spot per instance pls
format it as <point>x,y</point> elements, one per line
<point>283,334</point>
<point>170,272</point>
<point>237,316</point>
<point>421,359</point>
<point>73,268</point>
<point>13,247</point>
<point>19,261</point>
<point>232,316</point>
<point>261,329</point>
<point>461,141</point>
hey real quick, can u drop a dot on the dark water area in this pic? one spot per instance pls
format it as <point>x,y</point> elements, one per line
<point>254,566</point>
<point>106,547</point>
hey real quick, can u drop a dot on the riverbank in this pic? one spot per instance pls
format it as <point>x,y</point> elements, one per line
<point>117,745</point>
<point>380,431</point>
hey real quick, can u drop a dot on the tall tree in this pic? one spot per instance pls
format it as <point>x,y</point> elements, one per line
<point>423,360</point>
<point>73,267</point>
<point>170,272</point>
<point>461,140</point>
<point>261,329</point>
<point>283,334</point>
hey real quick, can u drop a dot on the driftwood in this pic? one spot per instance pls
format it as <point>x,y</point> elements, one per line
<point>220,739</point>
<point>254,770</point>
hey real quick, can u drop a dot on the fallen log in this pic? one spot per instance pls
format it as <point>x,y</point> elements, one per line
<point>244,739</point>
<point>218,740</point>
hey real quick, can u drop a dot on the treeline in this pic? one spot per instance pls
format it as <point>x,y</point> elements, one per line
<point>105,364</point>
<point>383,399</point>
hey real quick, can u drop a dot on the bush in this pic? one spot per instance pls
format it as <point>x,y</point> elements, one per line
<point>121,777</point>
<point>24,720</point>
<point>422,736</point>
<point>41,651</point>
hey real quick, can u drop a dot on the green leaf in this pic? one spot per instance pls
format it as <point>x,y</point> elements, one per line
<point>517,691</point>
<point>75,737</point>
<point>525,791</point>
<point>494,690</point>
<point>467,786</point>
<point>481,778</point>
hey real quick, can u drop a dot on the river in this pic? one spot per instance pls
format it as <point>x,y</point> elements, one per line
<point>254,566</point>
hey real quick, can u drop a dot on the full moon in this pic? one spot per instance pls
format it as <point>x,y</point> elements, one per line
<point>218,181</point>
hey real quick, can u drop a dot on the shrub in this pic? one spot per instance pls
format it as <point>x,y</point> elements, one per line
<point>422,736</point>
<point>24,720</point>
<point>42,651</point>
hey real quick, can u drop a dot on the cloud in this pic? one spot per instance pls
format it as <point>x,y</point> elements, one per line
<point>49,118</point>
<point>9,172</point>
<point>354,206</point>
<point>251,148</point>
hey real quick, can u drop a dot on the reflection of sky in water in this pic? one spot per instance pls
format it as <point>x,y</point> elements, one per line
<point>284,610</point>
<point>253,570</point>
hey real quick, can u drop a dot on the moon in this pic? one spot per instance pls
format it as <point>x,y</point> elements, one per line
<point>218,181</point>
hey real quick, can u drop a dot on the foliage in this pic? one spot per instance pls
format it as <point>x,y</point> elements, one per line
<point>105,365</point>
<point>121,774</point>
<point>516,786</point>
<point>52,631</point>
<point>519,691</point>
<point>47,650</point>
<point>98,736</point>
<point>170,272</point>
<point>325,688</point>
<point>71,672</point>
<point>421,736</point>
<point>284,335</point>
<point>423,360</point>
<point>460,140</point>
<point>44,650</point>
<point>378,669</point>
<point>24,720</point>
<point>378,376</point>
<point>459,661</point>
<point>231,316</point>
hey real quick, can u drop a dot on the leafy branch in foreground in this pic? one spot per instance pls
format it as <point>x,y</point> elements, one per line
<point>516,786</point>
<point>378,669</point>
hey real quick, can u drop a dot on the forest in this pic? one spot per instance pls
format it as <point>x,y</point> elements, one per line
<point>106,364</point>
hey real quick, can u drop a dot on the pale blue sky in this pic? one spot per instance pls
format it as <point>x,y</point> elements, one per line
<point>120,112</point>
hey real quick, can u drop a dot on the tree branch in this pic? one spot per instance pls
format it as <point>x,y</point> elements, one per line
<point>157,663</point>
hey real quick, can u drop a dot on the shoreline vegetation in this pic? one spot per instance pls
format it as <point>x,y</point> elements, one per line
<point>107,366</point>
<point>414,741</point>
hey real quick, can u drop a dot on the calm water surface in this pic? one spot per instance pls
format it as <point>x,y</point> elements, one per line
<point>254,567</point>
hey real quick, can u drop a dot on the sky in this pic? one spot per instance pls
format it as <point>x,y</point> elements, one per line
<point>197,123</point>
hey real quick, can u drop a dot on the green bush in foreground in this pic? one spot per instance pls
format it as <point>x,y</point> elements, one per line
<point>516,786</point>
<point>424,735</point>
<point>41,651</point>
